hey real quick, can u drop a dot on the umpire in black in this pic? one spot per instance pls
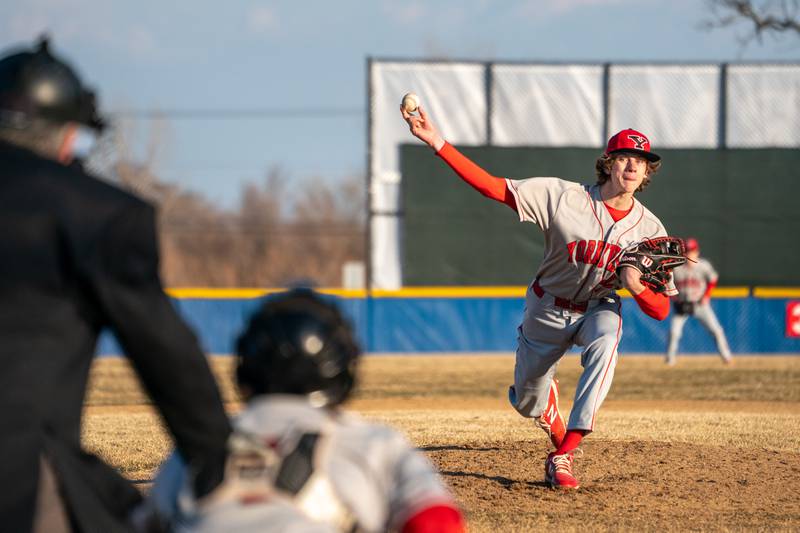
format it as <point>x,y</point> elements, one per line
<point>78,255</point>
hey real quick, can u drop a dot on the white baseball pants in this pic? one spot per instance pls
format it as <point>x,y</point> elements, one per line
<point>705,315</point>
<point>547,332</point>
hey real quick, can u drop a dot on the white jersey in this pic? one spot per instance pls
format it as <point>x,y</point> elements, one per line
<point>692,280</point>
<point>336,469</point>
<point>582,242</point>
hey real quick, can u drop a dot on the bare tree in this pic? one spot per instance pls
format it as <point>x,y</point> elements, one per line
<point>774,18</point>
<point>328,227</point>
<point>279,235</point>
<point>259,229</point>
<point>281,232</point>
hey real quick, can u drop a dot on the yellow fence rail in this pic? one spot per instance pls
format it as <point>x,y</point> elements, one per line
<point>450,292</point>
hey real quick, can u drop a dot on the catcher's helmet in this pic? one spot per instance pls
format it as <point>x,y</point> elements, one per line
<point>36,85</point>
<point>297,343</point>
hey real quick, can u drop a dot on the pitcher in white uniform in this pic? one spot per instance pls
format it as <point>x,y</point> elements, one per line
<point>695,280</point>
<point>297,461</point>
<point>572,299</point>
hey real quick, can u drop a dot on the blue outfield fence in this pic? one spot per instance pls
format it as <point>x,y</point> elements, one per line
<point>482,320</point>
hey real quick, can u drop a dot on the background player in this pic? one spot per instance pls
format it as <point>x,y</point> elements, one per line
<point>293,445</point>
<point>572,300</point>
<point>695,280</point>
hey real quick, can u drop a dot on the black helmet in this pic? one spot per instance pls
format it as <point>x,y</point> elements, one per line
<point>297,343</point>
<point>35,84</point>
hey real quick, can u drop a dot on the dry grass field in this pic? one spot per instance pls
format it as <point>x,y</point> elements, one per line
<point>697,447</point>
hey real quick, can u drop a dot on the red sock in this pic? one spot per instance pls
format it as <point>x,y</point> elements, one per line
<point>571,440</point>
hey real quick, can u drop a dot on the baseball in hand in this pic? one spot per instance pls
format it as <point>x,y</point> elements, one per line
<point>410,102</point>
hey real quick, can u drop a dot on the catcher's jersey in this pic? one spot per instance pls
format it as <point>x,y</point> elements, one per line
<point>582,242</point>
<point>692,280</point>
<point>333,467</point>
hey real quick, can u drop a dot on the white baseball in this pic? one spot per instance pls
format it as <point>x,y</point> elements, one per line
<point>410,102</point>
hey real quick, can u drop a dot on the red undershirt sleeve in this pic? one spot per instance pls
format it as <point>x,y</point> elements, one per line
<point>707,295</point>
<point>654,305</point>
<point>436,519</point>
<point>490,186</point>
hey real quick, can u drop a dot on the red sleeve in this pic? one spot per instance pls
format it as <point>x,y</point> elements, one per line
<point>436,519</point>
<point>707,295</point>
<point>654,305</point>
<point>486,184</point>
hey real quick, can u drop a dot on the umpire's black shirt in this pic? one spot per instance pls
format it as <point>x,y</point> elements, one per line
<point>76,255</point>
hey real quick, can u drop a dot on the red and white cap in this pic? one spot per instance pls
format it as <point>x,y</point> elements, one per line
<point>631,141</point>
<point>691,244</point>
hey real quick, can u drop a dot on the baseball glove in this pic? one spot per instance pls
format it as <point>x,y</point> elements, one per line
<point>654,259</point>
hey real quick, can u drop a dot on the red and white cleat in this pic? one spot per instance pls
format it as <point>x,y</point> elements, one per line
<point>558,471</point>
<point>551,420</point>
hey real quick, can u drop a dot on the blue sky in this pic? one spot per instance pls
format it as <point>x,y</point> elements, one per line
<point>310,55</point>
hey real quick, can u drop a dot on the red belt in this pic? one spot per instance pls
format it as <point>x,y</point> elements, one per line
<point>560,302</point>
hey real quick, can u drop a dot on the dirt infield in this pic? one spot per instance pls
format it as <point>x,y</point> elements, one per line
<point>697,447</point>
<point>627,485</point>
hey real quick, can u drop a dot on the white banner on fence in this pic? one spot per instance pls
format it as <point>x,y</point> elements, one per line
<point>455,95</point>
<point>675,106</point>
<point>763,106</point>
<point>547,105</point>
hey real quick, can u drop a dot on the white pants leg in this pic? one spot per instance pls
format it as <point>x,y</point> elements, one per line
<point>705,314</point>
<point>543,338</point>
<point>675,333</point>
<point>599,335</point>
<point>545,335</point>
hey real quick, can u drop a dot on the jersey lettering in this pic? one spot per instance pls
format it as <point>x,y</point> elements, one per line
<point>613,257</point>
<point>589,255</point>
<point>690,283</point>
<point>580,252</point>
<point>692,280</point>
<point>598,255</point>
<point>591,252</point>
<point>570,251</point>
<point>579,233</point>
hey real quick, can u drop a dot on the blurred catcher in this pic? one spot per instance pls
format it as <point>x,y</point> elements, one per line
<point>80,255</point>
<point>695,281</point>
<point>296,458</point>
